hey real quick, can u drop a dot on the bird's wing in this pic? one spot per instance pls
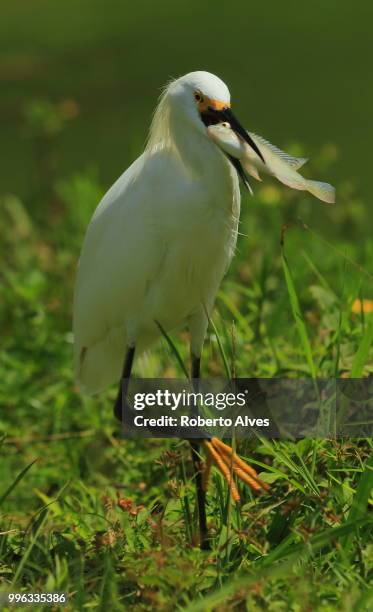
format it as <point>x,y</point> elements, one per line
<point>120,256</point>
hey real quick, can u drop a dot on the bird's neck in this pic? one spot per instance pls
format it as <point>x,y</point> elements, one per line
<point>199,155</point>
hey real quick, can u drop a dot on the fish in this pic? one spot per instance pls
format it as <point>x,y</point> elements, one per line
<point>279,164</point>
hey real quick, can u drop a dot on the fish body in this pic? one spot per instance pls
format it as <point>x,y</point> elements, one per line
<point>279,164</point>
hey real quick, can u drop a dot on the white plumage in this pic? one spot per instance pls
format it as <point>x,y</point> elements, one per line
<point>160,240</point>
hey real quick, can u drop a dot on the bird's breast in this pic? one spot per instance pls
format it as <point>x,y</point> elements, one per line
<point>198,238</point>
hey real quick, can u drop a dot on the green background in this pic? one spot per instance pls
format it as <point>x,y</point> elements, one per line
<point>298,71</point>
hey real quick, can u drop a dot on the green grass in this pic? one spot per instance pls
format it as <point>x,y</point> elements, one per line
<point>112,522</point>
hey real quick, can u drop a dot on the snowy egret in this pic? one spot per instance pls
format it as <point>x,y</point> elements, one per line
<point>157,248</point>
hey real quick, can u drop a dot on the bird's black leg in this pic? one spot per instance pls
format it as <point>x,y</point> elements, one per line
<point>126,373</point>
<point>201,496</point>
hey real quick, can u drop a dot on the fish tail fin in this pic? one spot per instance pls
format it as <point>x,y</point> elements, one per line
<point>322,191</point>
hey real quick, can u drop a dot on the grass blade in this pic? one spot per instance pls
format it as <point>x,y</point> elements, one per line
<point>241,320</point>
<point>16,481</point>
<point>364,490</point>
<point>361,500</point>
<point>289,555</point>
<point>173,349</point>
<point>297,314</point>
<point>316,542</point>
<point>362,353</point>
<point>31,545</point>
<point>221,349</point>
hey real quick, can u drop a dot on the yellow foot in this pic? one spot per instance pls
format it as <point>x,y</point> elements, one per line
<point>229,464</point>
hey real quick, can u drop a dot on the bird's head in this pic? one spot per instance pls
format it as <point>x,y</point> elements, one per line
<point>202,99</point>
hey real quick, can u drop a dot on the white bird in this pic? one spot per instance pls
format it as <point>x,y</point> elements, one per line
<point>157,248</point>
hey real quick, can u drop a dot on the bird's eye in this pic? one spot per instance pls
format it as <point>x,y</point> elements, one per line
<point>198,97</point>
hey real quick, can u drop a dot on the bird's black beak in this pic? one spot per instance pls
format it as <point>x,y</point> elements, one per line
<point>212,116</point>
